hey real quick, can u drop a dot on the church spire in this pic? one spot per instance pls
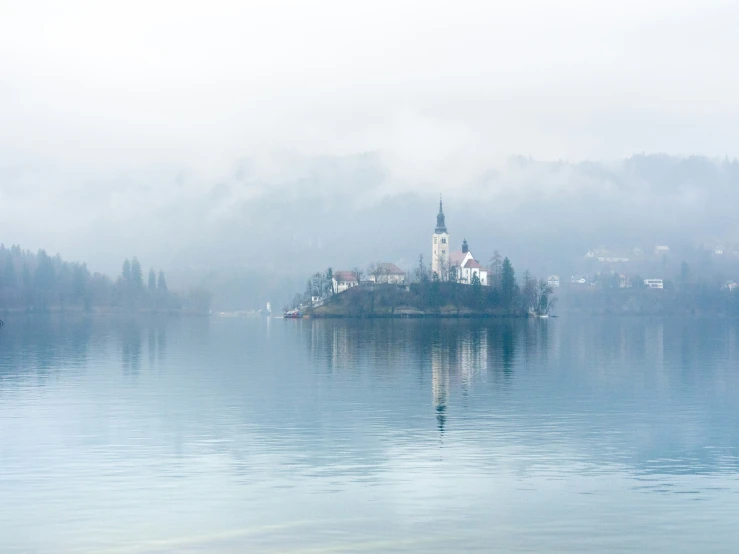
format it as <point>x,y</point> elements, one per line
<point>440,225</point>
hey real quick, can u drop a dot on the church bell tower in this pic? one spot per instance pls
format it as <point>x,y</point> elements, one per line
<point>440,247</point>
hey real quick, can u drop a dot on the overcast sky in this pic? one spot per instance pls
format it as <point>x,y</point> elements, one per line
<point>99,97</point>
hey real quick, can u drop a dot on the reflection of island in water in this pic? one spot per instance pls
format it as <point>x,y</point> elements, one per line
<point>653,392</point>
<point>449,352</point>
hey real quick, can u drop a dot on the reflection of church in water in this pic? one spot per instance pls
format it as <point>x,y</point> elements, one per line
<point>468,358</point>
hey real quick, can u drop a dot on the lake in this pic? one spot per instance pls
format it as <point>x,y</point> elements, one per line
<point>255,435</point>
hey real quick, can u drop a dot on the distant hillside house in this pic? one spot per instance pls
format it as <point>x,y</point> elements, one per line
<point>465,267</point>
<point>388,273</point>
<point>654,283</point>
<point>661,250</point>
<point>730,285</point>
<point>344,280</point>
<point>553,281</point>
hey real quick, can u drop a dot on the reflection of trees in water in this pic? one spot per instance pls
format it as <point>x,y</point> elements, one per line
<point>132,334</point>
<point>452,353</point>
<point>131,347</point>
<point>40,346</point>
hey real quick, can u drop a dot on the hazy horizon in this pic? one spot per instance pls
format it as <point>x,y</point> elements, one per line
<point>280,135</point>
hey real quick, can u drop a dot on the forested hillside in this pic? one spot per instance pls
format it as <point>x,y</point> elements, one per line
<point>38,282</point>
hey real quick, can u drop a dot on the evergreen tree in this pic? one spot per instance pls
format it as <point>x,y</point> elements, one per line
<point>80,280</point>
<point>507,283</point>
<point>8,278</point>
<point>496,269</point>
<point>152,281</point>
<point>26,277</point>
<point>126,272</point>
<point>137,276</point>
<point>162,283</point>
<point>330,280</point>
<point>45,276</point>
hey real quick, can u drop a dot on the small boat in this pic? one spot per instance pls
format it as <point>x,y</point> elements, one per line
<point>292,314</point>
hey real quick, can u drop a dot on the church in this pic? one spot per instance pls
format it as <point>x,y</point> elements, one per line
<point>459,266</point>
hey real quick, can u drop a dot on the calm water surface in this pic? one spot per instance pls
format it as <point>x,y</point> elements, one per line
<point>237,435</point>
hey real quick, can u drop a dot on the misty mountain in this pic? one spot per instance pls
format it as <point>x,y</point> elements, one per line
<point>281,220</point>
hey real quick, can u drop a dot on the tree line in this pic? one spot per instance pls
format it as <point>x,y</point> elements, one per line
<point>39,282</point>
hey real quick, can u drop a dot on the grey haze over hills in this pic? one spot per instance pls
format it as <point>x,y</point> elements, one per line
<point>266,235</point>
<point>268,140</point>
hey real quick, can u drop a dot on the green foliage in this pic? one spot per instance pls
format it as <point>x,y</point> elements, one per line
<point>507,284</point>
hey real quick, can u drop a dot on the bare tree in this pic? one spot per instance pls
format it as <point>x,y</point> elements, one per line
<point>358,275</point>
<point>375,270</point>
<point>443,265</point>
<point>421,273</point>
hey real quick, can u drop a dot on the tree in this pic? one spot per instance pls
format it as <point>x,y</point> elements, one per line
<point>443,266</point>
<point>543,304</point>
<point>152,281</point>
<point>8,277</point>
<point>137,277</point>
<point>421,273</point>
<point>317,284</point>
<point>45,275</point>
<point>162,283</point>
<point>528,294</point>
<point>507,283</point>
<point>496,269</point>
<point>330,280</point>
<point>126,271</point>
<point>80,281</point>
<point>375,270</point>
<point>684,273</point>
<point>358,275</point>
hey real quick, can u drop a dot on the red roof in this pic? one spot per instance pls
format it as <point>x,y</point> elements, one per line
<point>455,258</point>
<point>472,263</point>
<point>388,268</point>
<point>345,276</point>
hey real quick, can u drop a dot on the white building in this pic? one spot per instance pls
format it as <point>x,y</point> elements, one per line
<point>388,273</point>
<point>440,246</point>
<point>344,280</point>
<point>654,283</point>
<point>730,286</point>
<point>465,267</point>
<point>661,250</point>
<point>553,281</point>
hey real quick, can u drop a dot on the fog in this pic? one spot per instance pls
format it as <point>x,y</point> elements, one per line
<point>259,142</point>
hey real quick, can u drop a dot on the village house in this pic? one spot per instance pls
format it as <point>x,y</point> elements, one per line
<point>553,281</point>
<point>387,273</point>
<point>344,280</point>
<point>730,286</point>
<point>654,283</point>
